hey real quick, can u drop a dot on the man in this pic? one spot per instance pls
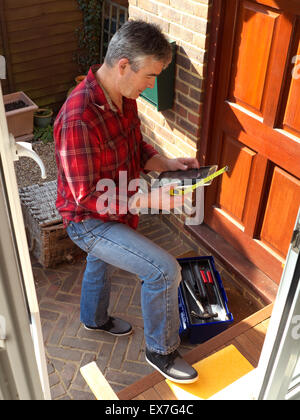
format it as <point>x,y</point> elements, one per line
<point>98,137</point>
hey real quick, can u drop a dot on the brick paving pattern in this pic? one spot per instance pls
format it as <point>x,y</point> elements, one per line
<point>69,346</point>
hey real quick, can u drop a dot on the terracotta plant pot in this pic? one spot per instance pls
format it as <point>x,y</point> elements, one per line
<point>19,120</point>
<point>78,79</point>
<point>43,117</point>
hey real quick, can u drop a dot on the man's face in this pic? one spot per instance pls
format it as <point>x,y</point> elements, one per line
<point>132,84</point>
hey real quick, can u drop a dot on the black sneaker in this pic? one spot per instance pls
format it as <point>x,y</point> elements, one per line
<point>172,366</point>
<point>114,326</point>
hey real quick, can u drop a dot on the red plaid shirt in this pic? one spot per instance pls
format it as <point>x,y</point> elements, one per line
<point>93,142</point>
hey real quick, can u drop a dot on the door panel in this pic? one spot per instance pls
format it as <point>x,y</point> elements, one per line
<point>256,131</point>
<point>282,205</point>
<point>291,104</point>
<point>240,159</point>
<point>251,56</point>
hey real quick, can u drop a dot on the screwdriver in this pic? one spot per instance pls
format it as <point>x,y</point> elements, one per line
<point>208,282</point>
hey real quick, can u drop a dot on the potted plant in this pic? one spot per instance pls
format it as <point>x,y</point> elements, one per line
<point>19,110</point>
<point>44,134</point>
<point>78,79</point>
<point>43,117</point>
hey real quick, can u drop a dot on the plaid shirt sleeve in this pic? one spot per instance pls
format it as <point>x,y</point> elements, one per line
<point>79,155</point>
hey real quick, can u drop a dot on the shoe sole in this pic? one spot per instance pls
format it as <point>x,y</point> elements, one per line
<point>178,381</point>
<point>109,332</point>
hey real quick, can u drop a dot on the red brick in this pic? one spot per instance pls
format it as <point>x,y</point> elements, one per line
<point>169,14</point>
<point>80,344</point>
<point>180,110</point>
<point>196,94</point>
<point>169,115</point>
<point>147,5</point>
<point>65,354</point>
<point>179,32</point>
<point>194,119</point>
<point>183,61</point>
<point>194,23</point>
<point>181,86</point>
<point>188,126</point>
<point>190,79</point>
<point>188,103</point>
<point>122,378</point>
<point>193,53</point>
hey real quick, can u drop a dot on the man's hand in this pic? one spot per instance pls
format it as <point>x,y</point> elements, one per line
<point>182,164</point>
<point>158,198</point>
<point>160,164</point>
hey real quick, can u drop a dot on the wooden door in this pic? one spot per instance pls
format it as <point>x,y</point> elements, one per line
<point>256,131</point>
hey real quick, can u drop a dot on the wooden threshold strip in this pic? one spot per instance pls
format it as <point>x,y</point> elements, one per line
<point>199,352</point>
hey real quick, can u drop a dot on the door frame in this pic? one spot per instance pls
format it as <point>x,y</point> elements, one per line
<point>22,352</point>
<point>217,14</point>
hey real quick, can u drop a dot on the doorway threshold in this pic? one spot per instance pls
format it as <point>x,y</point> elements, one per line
<point>253,278</point>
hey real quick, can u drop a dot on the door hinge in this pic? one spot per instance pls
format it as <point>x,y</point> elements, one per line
<point>2,332</point>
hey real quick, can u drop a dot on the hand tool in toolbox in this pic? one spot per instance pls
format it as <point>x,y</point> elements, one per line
<point>219,298</point>
<point>180,190</point>
<point>190,284</point>
<point>211,295</point>
<point>206,278</point>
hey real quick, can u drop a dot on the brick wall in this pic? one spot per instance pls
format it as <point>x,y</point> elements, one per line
<point>176,132</point>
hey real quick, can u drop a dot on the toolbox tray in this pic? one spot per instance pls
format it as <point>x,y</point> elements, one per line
<point>199,330</point>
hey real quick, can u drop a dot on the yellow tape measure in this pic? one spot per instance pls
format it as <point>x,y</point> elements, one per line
<point>190,188</point>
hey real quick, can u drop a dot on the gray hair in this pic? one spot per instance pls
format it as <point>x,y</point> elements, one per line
<point>136,40</point>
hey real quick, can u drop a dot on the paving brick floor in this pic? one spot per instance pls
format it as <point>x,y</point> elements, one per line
<point>69,346</point>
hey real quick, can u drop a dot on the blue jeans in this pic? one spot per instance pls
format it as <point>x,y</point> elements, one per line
<point>113,244</point>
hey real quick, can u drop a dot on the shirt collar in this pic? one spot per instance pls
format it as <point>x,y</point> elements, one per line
<point>100,97</point>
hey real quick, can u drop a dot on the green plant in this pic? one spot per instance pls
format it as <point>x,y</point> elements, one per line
<point>45,134</point>
<point>89,34</point>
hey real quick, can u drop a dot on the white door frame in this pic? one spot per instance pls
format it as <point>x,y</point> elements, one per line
<point>22,353</point>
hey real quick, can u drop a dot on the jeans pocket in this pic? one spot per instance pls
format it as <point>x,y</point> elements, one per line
<point>71,231</point>
<point>75,236</point>
<point>90,224</point>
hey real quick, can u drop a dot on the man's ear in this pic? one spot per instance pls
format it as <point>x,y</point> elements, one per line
<point>122,65</point>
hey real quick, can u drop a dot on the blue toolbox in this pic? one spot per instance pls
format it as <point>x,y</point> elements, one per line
<point>202,300</point>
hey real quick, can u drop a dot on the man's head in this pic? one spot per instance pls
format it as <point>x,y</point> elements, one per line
<point>135,41</point>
